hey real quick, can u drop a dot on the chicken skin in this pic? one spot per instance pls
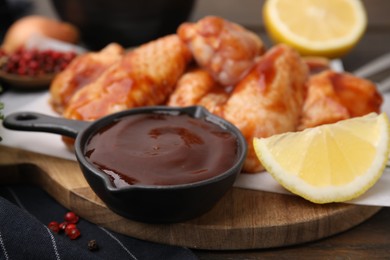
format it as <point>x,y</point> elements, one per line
<point>334,96</point>
<point>316,64</point>
<point>225,49</point>
<point>191,87</point>
<point>269,99</point>
<point>214,100</point>
<point>81,71</point>
<point>197,87</point>
<point>145,76</point>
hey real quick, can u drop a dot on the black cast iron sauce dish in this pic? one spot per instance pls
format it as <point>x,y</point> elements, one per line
<point>151,164</point>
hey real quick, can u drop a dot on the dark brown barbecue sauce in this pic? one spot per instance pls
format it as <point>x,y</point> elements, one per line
<point>162,149</point>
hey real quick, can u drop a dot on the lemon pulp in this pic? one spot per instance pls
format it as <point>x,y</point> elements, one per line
<point>329,28</point>
<point>329,163</point>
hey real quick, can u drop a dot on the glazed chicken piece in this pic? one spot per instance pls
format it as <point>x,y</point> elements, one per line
<point>334,96</point>
<point>80,72</point>
<point>191,87</point>
<point>214,100</point>
<point>145,76</point>
<point>225,49</point>
<point>316,64</point>
<point>197,87</point>
<point>269,99</point>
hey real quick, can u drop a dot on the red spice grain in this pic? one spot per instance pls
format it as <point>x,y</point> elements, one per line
<point>54,226</point>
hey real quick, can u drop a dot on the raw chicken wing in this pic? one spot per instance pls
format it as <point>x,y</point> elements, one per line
<point>214,100</point>
<point>269,99</point>
<point>225,49</point>
<point>191,87</point>
<point>197,87</point>
<point>316,64</point>
<point>80,72</point>
<point>145,76</point>
<point>334,96</point>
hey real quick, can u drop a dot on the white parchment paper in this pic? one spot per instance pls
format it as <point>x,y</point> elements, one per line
<point>51,144</point>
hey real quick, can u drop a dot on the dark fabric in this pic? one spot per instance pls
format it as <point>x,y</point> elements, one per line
<point>10,11</point>
<point>25,211</point>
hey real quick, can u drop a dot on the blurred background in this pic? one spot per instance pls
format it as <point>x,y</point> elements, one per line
<point>152,18</point>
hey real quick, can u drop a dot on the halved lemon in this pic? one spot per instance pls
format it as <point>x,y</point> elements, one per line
<point>329,163</point>
<point>329,28</point>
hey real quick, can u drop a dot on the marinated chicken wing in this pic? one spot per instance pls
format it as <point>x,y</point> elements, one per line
<point>225,49</point>
<point>145,76</point>
<point>334,96</point>
<point>191,87</point>
<point>316,64</point>
<point>81,71</point>
<point>197,87</point>
<point>214,100</point>
<point>269,99</point>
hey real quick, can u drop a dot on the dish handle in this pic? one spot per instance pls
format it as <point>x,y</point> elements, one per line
<point>37,122</point>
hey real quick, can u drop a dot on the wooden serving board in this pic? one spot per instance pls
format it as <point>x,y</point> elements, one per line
<point>243,219</point>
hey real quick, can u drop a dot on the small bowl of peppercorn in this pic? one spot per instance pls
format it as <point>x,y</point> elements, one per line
<point>35,64</point>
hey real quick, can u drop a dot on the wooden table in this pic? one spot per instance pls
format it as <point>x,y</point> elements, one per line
<point>370,239</point>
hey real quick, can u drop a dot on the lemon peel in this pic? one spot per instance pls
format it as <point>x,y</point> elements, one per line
<point>328,28</point>
<point>329,163</point>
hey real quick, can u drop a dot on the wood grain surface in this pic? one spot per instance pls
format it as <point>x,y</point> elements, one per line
<point>369,240</point>
<point>243,219</point>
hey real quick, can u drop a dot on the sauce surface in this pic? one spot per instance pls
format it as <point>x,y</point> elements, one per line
<point>161,149</point>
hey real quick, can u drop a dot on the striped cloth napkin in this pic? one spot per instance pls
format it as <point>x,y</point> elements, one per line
<point>25,212</point>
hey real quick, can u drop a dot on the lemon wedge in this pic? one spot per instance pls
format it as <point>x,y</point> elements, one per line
<point>329,28</point>
<point>329,163</point>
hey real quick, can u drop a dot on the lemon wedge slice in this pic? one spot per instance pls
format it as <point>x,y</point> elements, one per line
<point>329,163</point>
<point>329,28</point>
